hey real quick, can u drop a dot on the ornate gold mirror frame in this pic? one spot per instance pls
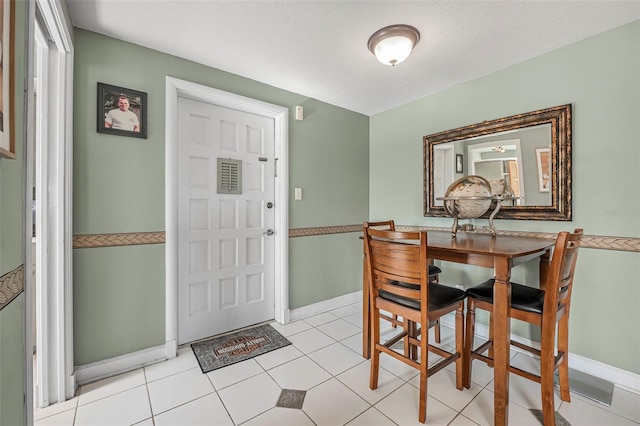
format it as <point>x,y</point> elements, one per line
<point>558,117</point>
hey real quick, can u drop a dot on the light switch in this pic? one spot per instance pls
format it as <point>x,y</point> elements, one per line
<point>297,194</point>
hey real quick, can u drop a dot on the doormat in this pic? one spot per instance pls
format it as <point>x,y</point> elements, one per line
<point>242,345</point>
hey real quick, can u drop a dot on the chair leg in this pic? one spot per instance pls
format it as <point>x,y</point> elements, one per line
<point>460,375</point>
<point>424,372</point>
<point>546,382</point>
<point>422,409</point>
<point>434,279</point>
<point>407,346</point>
<point>373,376</point>
<point>468,342</point>
<point>490,353</point>
<point>437,331</point>
<point>375,354</point>
<point>563,368</point>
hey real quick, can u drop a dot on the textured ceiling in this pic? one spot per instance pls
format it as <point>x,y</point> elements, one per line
<point>319,48</point>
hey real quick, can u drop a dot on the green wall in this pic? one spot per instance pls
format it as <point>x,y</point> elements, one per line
<point>600,77</point>
<point>12,244</point>
<point>119,304</point>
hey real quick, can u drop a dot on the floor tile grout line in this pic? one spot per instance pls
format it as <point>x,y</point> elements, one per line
<point>75,415</point>
<point>226,409</point>
<point>146,385</point>
<point>185,403</point>
<point>462,415</point>
<point>174,373</point>
<point>111,395</point>
<point>53,414</point>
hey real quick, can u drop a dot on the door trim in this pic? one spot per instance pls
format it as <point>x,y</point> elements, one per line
<point>59,377</point>
<point>180,88</point>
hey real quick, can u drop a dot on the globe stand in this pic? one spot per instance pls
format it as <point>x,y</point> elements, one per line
<point>452,207</point>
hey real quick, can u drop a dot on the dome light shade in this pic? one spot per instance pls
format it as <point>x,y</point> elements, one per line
<point>393,44</point>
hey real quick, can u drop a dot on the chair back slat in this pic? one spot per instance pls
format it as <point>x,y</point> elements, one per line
<point>397,290</point>
<point>385,224</point>
<point>399,266</point>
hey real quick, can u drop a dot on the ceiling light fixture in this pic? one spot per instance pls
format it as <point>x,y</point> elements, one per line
<point>393,44</point>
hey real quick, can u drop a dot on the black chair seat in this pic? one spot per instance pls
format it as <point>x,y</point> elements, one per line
<point>525,298</point>
<point>440,296</point>
<point>434,270</point>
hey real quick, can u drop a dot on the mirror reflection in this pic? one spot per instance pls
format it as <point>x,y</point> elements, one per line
<point>526,155</point>
<point>510,155</point>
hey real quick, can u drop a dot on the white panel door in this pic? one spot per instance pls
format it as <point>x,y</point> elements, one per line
<point>225,243</point>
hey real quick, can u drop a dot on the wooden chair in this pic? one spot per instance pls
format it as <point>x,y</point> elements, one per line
<point>543,307</point>
<point>434,271</point>
<point>399,284</point>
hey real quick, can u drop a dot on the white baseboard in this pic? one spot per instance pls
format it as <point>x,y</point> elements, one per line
<point>71,386</point>
<point>325,305</point>
<point>121,364</point>
<point>171,349</point>
<point>623,379</point>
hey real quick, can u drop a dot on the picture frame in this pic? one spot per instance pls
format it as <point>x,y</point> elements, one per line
<point>544,176</point>
<point>121,111</point>
<point>7,80</point>
<point>459,163</point>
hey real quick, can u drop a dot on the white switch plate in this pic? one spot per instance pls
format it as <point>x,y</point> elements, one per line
<point>297,194</point>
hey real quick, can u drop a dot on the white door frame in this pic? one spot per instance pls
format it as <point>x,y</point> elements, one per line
<point>473,153</point>
<point>56,183</point>
<point>448,167</point>
<point>180,88</point>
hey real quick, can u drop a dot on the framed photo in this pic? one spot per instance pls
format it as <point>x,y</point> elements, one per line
<point>459,163</point>
<point>544,175</point>
<point>122,111</point>
<point>7,90</point>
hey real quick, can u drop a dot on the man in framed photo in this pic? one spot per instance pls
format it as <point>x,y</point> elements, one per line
<point>122,118</point>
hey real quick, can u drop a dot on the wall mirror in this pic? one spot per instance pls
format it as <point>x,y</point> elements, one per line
<point>530,151</point>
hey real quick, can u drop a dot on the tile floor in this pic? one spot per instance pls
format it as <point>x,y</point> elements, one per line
<point>324,360</point>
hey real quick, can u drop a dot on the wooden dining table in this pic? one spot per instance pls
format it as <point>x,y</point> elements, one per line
<point>501,253</point>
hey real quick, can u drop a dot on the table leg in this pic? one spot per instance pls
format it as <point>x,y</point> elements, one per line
<point>366,315</point>
<point>545,261</point>
<point>501,337</point>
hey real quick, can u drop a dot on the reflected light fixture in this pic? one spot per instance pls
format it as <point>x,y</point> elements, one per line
<point>393,44</point>
<point>498,149</point>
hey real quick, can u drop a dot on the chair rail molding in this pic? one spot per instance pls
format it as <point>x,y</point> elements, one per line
<point>11,285</point>
<point>601,242</point>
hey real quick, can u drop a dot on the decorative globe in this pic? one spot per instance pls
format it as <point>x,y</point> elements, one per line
<point>469,186</point>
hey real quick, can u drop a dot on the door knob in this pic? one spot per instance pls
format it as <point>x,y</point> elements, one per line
<point>269,232</point>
